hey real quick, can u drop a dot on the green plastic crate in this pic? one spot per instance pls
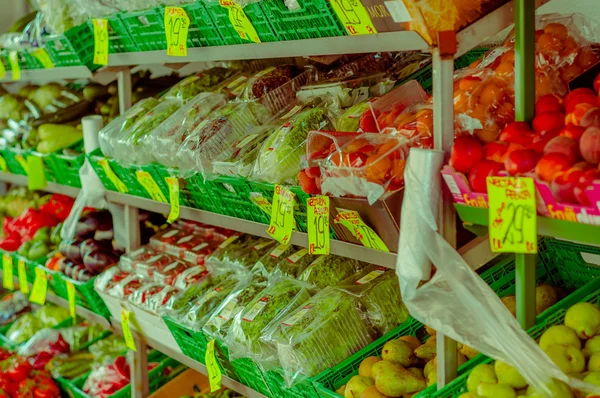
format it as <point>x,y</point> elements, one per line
<point>94,158</point>
<point>119,39</point>
<point>202,31</point>
<point>256,15</point>
<point>11,155</point>
<point>4,59</point>
<point>65,168</point>
<point>251,375</point>
<point>73,48</point>
<point>233,195</point>
<point>467,59</point>
<point>85,295</point>
<point>201,196</point>
<point>147,28</point>
<point>186,188</point>
<point>128,176</point>
<point>192,343</point>
<point>28,61</point>
<point>314,19</point>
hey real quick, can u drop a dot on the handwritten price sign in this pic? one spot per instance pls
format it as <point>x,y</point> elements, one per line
<point>512,221</point>
<point>361,231</point>
<point>318,225</point>
<point>282,215</point>
<point>100,41</point>
<point>177,24</point>
<point>354,17</point>
<point>240,21</point>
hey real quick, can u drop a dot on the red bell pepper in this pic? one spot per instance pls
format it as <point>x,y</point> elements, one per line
<point>58,206</point>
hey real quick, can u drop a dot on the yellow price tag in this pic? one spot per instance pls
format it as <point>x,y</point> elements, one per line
<point>318,225</point>
<point>146,180</point>
<point>21,160</point>
<point>513,222</point>
<point>361,231</point>
<point>3,165</point>
<point>36,174</point>
<point>177,24</point>
<point>2,70</point>
<point>127,334</point>
<point>72,301</point>
<point>240,21</point>
<point>7,272</point>
<point>100,41</point>
<point>15,68</point>
<point>121,187</point>
<point>262,202</point>
<point>214,372</point>
<point>282,215</point>
<point>173,184</point>
<point>354,17</point>
<point>23,285</point>
<point>43,57</point>
<point>39,288</point>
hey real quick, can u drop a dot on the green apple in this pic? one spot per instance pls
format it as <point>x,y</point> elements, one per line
<point>481,373</point>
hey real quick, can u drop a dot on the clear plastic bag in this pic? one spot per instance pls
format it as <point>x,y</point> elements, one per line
<point>344,91</point>
<point>207,80</point>
<point>378,290</point>
<point>268,80</point>
<point>129,261</point>
<point>268,307</point>
<point>232,252</point>
<point>320,334</point>
<point>330,270</point>
<point>154,297</point>
<point>267,264</point>
<point>11,306</point>
<point>293,265</point>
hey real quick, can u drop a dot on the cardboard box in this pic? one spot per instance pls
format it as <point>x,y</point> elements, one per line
<point>187,383</point>
<point>387,16</point>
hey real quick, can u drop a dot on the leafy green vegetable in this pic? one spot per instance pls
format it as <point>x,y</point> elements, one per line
<point>267,264</point>
<point>29,324</point>
<point>295,263</point>
<point>330,270</point>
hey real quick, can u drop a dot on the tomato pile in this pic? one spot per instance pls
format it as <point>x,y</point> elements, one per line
<point>18,379</point>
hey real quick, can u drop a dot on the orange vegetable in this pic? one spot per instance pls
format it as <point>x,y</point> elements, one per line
<point>377,168</point>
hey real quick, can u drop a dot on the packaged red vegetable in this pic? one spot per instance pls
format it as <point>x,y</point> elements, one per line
<point>169,236</point>
<point>154,297</point>
<point>190,276</point>
<point>268,80</point>
<point>105,380</point>
<point>118,283</point>
<point>147,267</point>
<point>198,253</point>
<point>129,261</point>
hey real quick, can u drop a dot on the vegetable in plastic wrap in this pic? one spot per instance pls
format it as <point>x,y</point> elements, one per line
<point>378,290</point>
<point>267,264</point>
<point>269,306</point>
<point>107,349</point>
<point>203,81</point>
<point>279,157</point>
<point>269,79</point>
<point>184,299</point>
<point>44,317</point>
<point>350,119</point>
<point>330,270</point>
<point>11,306</point>
<point>81,335</point>
<point>320,334</point>
<point>294,264</point>
<point>231,252</point>
<point>154,297</point>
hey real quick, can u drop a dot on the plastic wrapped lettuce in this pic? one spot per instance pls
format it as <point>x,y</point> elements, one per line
<point>318,335</point>
<point>165,140</point>
<point>330,270</point>
<point>268,307</point>
<point>119,127</point>
<point>294,264</point>
<point>44,317</point>
<point>203,81</point>
<point>239,253</point>
<point>183,300</point>
<point>350,119</point>
<point>220,320</point>
<point>267,264</point>
<point>279,157</point>
<point>379,291</point>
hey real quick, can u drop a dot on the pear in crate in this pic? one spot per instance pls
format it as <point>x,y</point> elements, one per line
<point>593,378</point>
<point>584,319</point>
<point>417,372</point>
<point>430,331</point>
<point>510,302</point>
<point>594,363</point>
<point>492,390</point>
<point>432,377</point>
<point>559,334</point>
<point>366,366</point>
<point>483,373</point>
<point>412,341</point>
<point>372,392</point>
<point>398,351</point>
<point>394,380</point>
<point>356,385</point>
<point>429,366</point>
<point>508,375</point>
<point>468,351</point>
<point>428,350</point>
<point>568,358</point>
<point>592,346</point>
<point>557,387</point>
<point>341,391</point>
<point>545,297</point>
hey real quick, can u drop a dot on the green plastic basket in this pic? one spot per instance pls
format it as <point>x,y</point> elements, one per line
<point>11,155</point>
<point>119,39</point>
<point>186,198</point>
<point>467,59</point>
<point>4,60</point>
<point>200,195</point>
<point>95,157</point>
<point>233,195</point>
<point>129,178</point>
<point>28,61</point>
<point>85,295</point>
<point>192,343</point>
<point>202,31</point>
<point>65,168</point>
<point>147,28</point>
<point>314,19</point>
<point>251,375</point>
<point>73,48</point>
<point>256,15</point>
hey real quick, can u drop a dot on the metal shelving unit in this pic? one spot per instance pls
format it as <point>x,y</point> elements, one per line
<point>47,75</point>
<point>51,187</point>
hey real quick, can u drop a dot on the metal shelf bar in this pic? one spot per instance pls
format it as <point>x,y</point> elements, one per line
<point>52,187</point>
<point>64,73</point>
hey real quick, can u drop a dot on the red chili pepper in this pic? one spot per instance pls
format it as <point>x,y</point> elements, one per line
<point>10,244</point>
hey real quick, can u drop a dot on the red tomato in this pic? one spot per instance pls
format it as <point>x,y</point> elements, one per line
<point>46,391</point>
<point>16,368</point>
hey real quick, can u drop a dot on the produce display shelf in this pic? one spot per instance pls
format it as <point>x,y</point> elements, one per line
<point>51,187</point>
<point>559,229</point>
<point>68,72</point>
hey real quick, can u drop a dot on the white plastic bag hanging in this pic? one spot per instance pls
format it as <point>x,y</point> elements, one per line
<point>456,301</point>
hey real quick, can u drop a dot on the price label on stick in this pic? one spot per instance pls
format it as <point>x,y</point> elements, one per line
<point>43,57</point>
<point>15,68</point>
<point>39,288</point>
<point>513,222</point>
<point>121,187</point>
<point>23,285</point>
<point>177,24</point>
<point>318,225</point>
<point>100,41</point>
<point>126,326</point>
<point>71,297</point>
<point>2,70</point>
<point>282,215</point>
<point>354,17</point>
<point>36,173</point>
<point>7,272</point>
<point>240,21</point>
<point>146,180</point>
<point>173,184</point>
<point>214,372</point>
<point>361,231</point>
<point>23,163</point>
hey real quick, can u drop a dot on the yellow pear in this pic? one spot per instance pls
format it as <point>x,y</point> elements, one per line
<point>557,388</point>
<point>356,385</point>
<point>469,352</point>
<point>372,392</point>
<point>366,366</point>
<point>417,372</point>
<point>508,375</point>
<point>592,346</point>
<point>468,395</point>
<point>494,390</point>
<point>430,331</point>
<point>412,341</point>
<point>510,302</point>
<point>545,297</point>
<point>428,350</point>
<point>376,367</point>
<point>584,319</point>
<point>559,334</point>
<point>594,363</point>
<point>429,366</point>
<point>393,380</point>
<point>593,378</point>
<point>484,373</point>
<point>569,359</point>
<point>432,377</point>
<point>341,391</point>
<point>398,351</point>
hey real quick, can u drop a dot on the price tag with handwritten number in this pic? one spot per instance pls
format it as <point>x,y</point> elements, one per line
<point>100,41</point>
<point>318,225</point>
<point>354,17</point>
<point>513,222</point>
<point>36,174</point>
<point>2,70</point>
<point>71,297</point>
<point>173,184</point>
<point>43,57</point>
<point>214,372</point>
<point>15,68</point>
<point>282,215</point>
<point>361,231</point>
<point>23,285</point>
<point>240,21</point>
<point>146,180</point>
<point>177,24</point>
<point>39,288</point>
<point>126,326</point>
<point>23,163</point>
<point>121,187</point>
<point>8,281</point>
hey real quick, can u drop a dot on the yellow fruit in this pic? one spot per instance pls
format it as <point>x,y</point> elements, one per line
<point>366,366</point>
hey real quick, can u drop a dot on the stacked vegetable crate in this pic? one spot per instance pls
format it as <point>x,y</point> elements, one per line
<point>559,264</point>
<point>85,295</point>
<point>254,12</point>
<point>73,48</point>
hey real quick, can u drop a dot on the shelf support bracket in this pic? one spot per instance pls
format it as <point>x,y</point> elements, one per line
<point>525,289</point>
<point>139,369</point>
<point>125,88</point>
<point>443,138</point>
